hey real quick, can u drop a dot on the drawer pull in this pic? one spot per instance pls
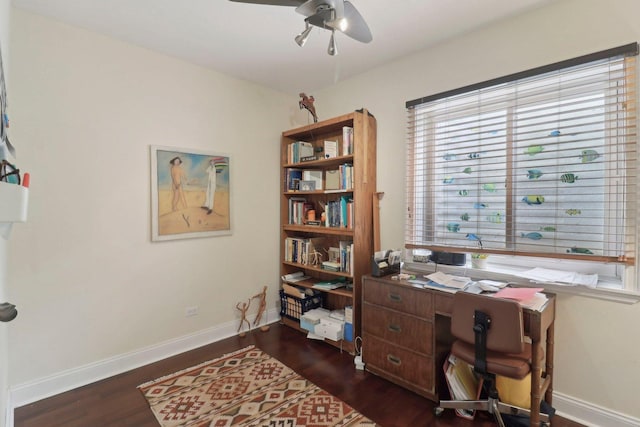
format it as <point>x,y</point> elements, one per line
<point>395,297</point>
<point>395,328</point>
<point>393,359</point>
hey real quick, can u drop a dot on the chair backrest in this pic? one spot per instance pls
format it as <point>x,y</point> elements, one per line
<point>506,332</point>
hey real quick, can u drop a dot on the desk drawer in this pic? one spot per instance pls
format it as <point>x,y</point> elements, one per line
<point>398,297</point>
<point>444,303</point>
<point>403,330</point>
<point>401,365</point>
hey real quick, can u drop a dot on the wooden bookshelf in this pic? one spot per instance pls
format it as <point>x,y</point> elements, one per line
<point>357,186</point>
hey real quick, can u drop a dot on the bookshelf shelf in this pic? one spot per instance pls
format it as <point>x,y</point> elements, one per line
<point>315,229</point>
<point>310,282</point>
<point>310,268</point>
<point>334,161</point>
<point>342,202</point>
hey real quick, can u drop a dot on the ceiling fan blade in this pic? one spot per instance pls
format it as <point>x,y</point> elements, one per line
<point>292,3</point>
<point>357,28</point>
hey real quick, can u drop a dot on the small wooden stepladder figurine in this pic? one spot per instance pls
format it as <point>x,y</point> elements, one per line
<point>243,307</point>
<point>262,296</point>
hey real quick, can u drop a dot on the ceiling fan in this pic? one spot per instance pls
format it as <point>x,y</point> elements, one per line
<point>332,15</point>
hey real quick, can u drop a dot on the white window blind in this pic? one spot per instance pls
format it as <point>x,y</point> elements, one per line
<point>541,163</point>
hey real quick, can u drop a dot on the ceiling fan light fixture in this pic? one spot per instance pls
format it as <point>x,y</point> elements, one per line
<point>333,48</point>
<point>301,38</point>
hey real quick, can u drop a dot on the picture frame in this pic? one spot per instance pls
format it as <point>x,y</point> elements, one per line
<point>307,185</point>
<point>190,193</point>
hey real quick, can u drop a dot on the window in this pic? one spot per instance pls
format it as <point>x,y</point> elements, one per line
<point>540,164</point>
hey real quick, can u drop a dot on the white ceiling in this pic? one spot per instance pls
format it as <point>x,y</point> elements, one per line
<point>255,42</point>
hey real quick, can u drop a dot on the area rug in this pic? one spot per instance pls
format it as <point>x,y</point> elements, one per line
<point>245,388</point>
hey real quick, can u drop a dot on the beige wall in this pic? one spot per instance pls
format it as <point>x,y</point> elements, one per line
<point>89,283</point>
<point>598,343</point>
<point>4,244</point>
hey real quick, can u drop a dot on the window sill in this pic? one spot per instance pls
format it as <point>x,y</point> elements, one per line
<point>509,274</point>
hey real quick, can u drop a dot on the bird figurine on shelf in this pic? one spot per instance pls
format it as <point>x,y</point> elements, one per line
<point>307,103</point>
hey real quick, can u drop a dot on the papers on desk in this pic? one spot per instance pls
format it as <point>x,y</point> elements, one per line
<point>456,282</point>
<point>443,282</point>
<point>531,298</point>
<point>546,275</point>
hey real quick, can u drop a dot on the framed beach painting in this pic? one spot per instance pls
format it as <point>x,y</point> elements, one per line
<point>190,193</point>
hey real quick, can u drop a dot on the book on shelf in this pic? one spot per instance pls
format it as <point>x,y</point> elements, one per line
<point>294,277</point>
<point>300,249</point>
<point>297,206</point>
<point>347,140</point>
<point>346,260</point>
<point>339,212</point>
<point>346,176</point>
<point>292,179</point>
<point>298,150</point>
<point>330,265</point>
<point>330,149</point>
<point>332,179</point>
<point>331,284</point>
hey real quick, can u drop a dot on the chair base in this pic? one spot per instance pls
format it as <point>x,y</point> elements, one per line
<point>491,405</point>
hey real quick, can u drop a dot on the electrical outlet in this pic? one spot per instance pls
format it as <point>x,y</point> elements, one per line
<point>191,311</point>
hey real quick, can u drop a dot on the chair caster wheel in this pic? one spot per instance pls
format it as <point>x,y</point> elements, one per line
<point>438,411</point>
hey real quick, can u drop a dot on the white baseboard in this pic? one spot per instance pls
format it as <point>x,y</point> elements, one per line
<point>42,388</point>
<point>580,411</point>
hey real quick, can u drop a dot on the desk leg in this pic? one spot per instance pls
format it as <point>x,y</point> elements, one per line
<point>536,372</point>
<point>548,396</point>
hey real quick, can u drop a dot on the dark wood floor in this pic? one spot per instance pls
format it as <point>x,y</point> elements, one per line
<point>117,402</point>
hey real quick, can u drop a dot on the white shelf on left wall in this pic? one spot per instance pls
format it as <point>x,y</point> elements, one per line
<point>14,202</point>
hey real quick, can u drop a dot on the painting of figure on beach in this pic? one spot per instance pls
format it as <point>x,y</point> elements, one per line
<point>190,193</point>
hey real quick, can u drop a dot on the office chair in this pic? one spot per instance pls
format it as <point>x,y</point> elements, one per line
<point>489,335</point>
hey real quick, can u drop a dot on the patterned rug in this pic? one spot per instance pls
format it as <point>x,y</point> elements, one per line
<point>245,388</point>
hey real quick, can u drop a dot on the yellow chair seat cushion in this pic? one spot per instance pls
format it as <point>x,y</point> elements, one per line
<point>515,392</point>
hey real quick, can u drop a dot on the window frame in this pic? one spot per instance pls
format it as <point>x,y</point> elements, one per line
<point>625,293</point>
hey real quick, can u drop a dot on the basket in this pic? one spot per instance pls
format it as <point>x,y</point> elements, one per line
<point>293,308</point>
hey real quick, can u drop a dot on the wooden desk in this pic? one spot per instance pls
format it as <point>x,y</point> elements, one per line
<point>406,338</point>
